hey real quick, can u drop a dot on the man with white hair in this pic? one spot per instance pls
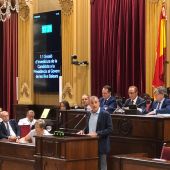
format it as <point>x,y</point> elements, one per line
<point>9,128</point>
<point>28,120</point>
<point>161,104</point>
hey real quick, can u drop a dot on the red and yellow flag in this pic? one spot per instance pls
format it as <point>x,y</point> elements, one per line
<point>159,75</point>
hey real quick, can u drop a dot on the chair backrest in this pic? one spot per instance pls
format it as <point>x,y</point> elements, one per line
<point>165,153</point>
<point>24,130</point>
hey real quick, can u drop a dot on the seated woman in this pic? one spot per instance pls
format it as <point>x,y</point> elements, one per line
<point>64,105</point>
<point>38,131</point>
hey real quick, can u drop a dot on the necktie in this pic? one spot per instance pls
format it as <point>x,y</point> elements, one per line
<point>159,104</point>
<point>7,128</point>
<point>132,102</point>
<point>105,101</point>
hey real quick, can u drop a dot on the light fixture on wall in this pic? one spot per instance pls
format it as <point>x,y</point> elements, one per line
<point>6,6</point>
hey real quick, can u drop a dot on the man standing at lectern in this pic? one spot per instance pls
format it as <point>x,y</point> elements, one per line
<point>99,123</point>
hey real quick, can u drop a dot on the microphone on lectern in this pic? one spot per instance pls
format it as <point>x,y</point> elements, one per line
<point>70,120</point>
<point>84,116</point>
<point>119,103</point>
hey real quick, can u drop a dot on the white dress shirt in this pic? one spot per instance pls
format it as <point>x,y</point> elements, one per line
<point>11,132</point>
<point>26,121</point>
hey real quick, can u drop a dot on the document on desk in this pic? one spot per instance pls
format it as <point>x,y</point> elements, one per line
<point>163,115</point>
<point>157,159</point>
<point>158,115</point>
<point>45,113</point>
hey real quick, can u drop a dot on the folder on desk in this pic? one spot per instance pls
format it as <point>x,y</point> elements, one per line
<point>24,130</point>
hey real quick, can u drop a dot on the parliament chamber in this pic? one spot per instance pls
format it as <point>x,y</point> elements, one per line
<point>132,135</point>
<point>58,50</point>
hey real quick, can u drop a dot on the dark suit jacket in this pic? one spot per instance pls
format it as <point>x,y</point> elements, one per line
<point>14,126</point>
<point>165,108</point>
<point>104,129</point>
<point>140,102</point>
<point>110,103</point>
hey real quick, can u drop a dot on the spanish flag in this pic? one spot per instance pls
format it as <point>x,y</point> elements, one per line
<point>159,75</point>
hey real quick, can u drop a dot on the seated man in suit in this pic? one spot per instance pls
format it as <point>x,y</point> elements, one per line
<point>9,128</point>
<point>85,102</point>
<point>28,120</point>
<point>161,104</point>
<point>99,123</point>
<point>107,102</point>
<point>134,99</point>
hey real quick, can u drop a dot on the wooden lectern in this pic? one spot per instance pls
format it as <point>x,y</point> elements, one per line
<point>71,152</point>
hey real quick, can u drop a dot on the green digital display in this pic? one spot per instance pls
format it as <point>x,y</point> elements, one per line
<point>46,29</point>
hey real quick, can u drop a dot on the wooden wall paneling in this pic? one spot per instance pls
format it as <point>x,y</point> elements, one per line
<point>25,64</point>
<point>75,40</point>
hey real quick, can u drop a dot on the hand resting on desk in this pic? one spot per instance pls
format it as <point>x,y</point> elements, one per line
<point>81,132</point>
<point>92,134</point>
<point>12,138</point>
<point>151,113</point>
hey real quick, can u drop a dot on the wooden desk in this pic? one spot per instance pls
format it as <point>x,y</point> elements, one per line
<point>139,163</point>
<point>15,156</point>
<point>134,134</point>
<point>131,133</point>
<point>61,153</point>
<point>66,153</point>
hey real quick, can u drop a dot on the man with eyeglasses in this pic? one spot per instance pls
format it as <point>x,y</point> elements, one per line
<point>134,99</point>
<point>8,128</point>
<point>161,104</point>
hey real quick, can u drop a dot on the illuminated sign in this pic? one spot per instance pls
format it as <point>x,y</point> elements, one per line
<point>46,29</point>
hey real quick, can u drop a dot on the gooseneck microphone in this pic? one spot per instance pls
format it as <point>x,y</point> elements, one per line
<point>119,103</point>
<point>70,120</point>
<point>80,121</point>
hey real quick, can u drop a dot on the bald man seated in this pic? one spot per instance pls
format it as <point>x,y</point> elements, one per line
<point>28,120</point>
<point>134,99</point>
<point>8,128</point>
